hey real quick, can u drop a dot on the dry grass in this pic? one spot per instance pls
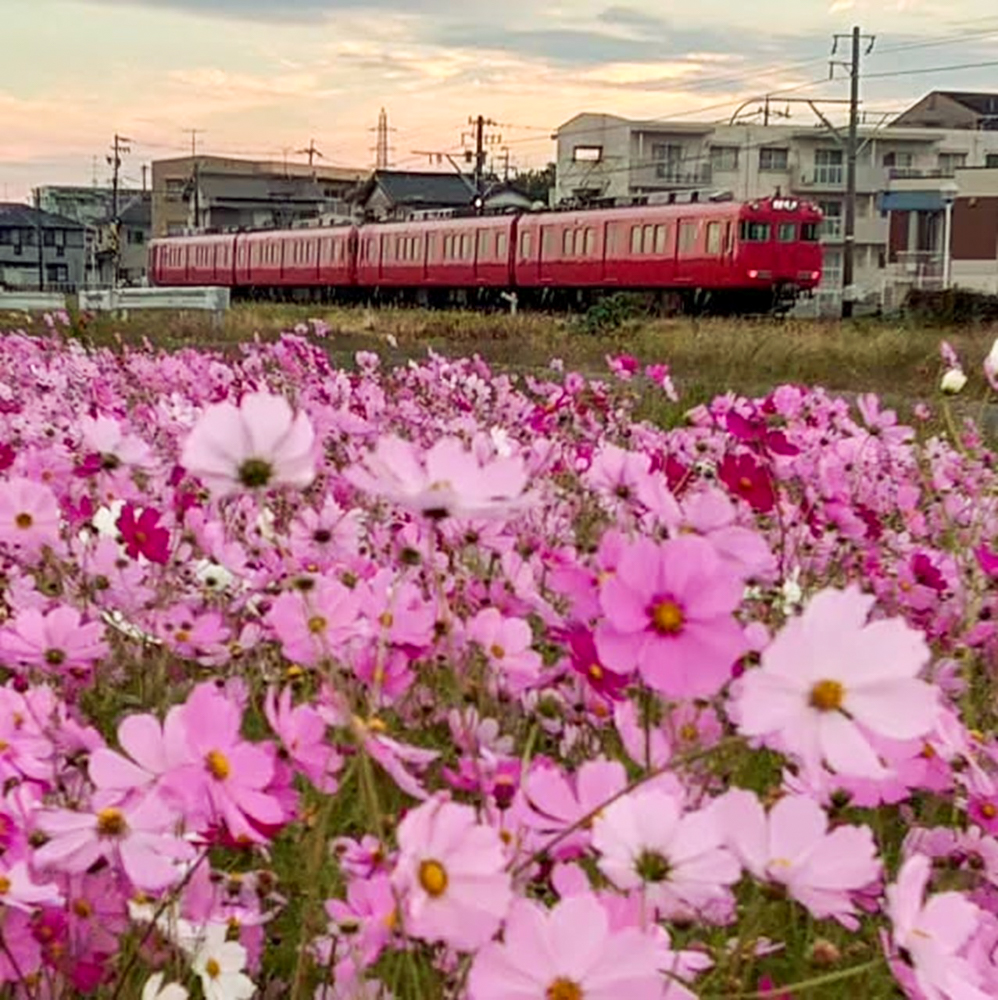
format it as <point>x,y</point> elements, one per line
<point>899,361</point>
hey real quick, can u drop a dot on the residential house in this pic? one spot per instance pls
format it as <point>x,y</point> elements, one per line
<point>605,159</point>
<point>193,193</point>
<point>40,249</point>
<point>125,243</point>
<point>953,109</point>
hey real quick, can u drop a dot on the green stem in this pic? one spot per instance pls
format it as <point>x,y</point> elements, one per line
<point>804,984</point>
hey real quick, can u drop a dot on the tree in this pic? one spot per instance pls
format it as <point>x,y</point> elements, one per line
<point>536,184</point>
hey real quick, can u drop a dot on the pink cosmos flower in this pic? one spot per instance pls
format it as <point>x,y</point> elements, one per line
<point>506,642</point>
<point>928,936</point>
<point>793,847</point>
<point>450,874</point>
<point>19,891</point>
<point>827,674</point>
<point>669,611</point>
<point>567,953</point>
<point>645,840</point>
<point>29,515</point>
<point>302,731</point>
<point>134,837</point>
<point>368,917</point>
<point>447,481</point>
<point>617,472</point>
<point>59,640</point>
<point>313,626</point>
<point>257,445</point>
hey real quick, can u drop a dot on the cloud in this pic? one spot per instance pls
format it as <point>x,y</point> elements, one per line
<point>284,11</point>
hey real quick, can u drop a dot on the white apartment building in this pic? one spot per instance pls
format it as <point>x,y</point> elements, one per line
<point>605,158</point>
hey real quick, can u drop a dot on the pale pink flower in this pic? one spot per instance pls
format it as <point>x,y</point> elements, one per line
<point>646,840</point>
<point>260,444</point>
<point>827,674</point>
<point>670,611</point>
<point>792,846</point>
<point>19,891</point>
<point>29,514</point>
<point>506,642</point>
<point>105,437</point>
<point>928,935</point>
<point>302,731</point>
<point>134,837</point>
<point>451,875</point>
<point>313,626</point>
<point>568,953</point>
<point>448,480</point>
<point>59,640</point>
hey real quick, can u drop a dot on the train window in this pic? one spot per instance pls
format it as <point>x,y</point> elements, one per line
<point>500,246</point>
<point>713,237</point>
<point>648,240</point>
<point>525,244</point>
<point>483,243</point>
<point>635,239</point>
<point>755,232</point>
<point>431,245</point>
<point>687,237</point>
<point>660,237</point>
<point>568,243</point>
<point>417,248</point>
<point>809,232</point>
<point>610,245</point>
<point>448,242</point>
<point>787,232</point>
<point>546,244</point>
<point>590,242</point>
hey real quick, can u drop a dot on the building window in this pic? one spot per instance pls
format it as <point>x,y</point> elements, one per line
<point>48,238</point>
<point>832,269</point>
<point>724,158</point>
<point>831,225</point>
<point>991,160</point>
<point>948,162</point>
<point>899,161</point>
<point>713,238</point>
<point>587,154</point>
<point>828,166</point>
<point>776,159</point>
<point>863,206</point>
<point>668,160</point>
<point>687,237</point>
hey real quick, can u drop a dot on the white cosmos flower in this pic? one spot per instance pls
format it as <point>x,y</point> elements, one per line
<point>953,381</point>
<point>155,990</point>
<point>219,964</point>
<point>991,361</point>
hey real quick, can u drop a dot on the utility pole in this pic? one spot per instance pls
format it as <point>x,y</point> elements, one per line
<point>481,140</point>
<point>119,148</point>
<point>194,133</point>
<point>852,152</point>
<point>311,152</point>
<point>39,238</point>
<point>381,153</point>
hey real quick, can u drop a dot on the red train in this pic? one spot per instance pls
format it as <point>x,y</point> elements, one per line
<point>702,256</point>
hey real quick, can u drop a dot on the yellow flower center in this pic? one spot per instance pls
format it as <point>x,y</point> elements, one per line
<point>386,619</point>
<point>989,810</point>
<point>218,765</point>
<point>111,823</point>
<point>433,878</point>
<point>82,908</point>
<point>4,885</point>
<point>24,521</point>
<point>391,920</point>
<point>563,989</point>
<point>667,617</point>
<point>595,672</point>
<point>688,733</point>
<point>497,651</point>
<point>827,696</point>
<point>182,635</point>
<point>213,969</point>
<point>317,624</point>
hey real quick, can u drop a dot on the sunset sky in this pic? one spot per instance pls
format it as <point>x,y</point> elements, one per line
<point>263,77</point>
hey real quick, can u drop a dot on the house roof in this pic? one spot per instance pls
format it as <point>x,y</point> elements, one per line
<point>14,215</point>
<point>414,188</point>
<point>978,102</point>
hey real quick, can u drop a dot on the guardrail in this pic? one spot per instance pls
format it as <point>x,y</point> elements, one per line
<point>23,301</point>
<point>215,300</point>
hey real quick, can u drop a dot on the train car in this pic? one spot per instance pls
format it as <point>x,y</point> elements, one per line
<point>437,255</point>
<point>168,262</point>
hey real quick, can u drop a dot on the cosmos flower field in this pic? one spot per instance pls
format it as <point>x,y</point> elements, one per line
<point>439,682</point>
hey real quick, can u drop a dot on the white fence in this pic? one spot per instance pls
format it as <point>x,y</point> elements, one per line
<point>125,300</point>
<point>31,301</point>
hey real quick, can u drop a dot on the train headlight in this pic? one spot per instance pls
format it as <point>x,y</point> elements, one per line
<point>753,274</point>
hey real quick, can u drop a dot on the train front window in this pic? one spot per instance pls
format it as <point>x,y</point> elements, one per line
<point>809,232</point>
<point>755,232</point>
<point>787,232</point>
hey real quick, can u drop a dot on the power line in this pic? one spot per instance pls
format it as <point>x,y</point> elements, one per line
<point>931,69</point>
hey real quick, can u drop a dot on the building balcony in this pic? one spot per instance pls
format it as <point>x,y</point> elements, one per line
<point>666,176</point>
<point>817,180</point>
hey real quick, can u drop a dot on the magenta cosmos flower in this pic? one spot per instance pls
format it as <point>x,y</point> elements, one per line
<point>567,953</point>
<point>669,612</point>
<point>451,876</point>
<point>448,480</point>
<point>257,445</point>
<point>829,677</point>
